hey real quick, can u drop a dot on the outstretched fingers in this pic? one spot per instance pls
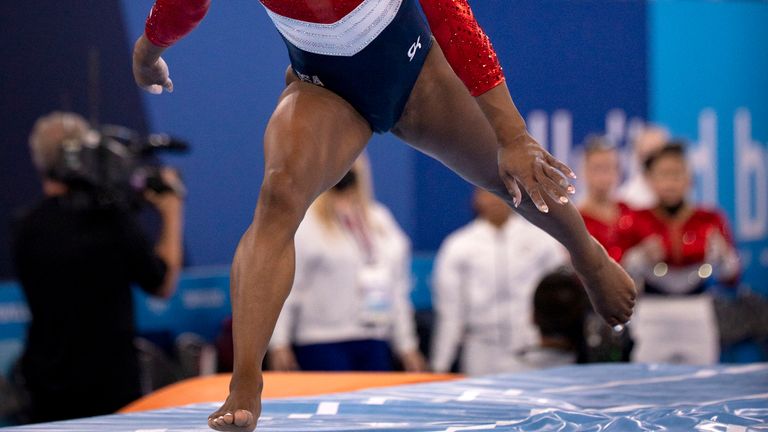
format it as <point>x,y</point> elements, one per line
<point>559,177</point>
<point>546,176</point>
<point>551,182</point>
<point>560,166</point>
<point>513,189</point>
<point>531,187</point>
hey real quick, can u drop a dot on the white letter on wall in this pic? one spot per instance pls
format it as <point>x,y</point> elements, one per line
<point>751,180</point>
<point>703,159</point>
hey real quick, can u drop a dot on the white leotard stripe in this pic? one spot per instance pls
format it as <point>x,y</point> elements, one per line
<point>345,37</point>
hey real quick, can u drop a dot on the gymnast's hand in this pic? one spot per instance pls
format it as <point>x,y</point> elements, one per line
<point>149,69</point>
<point>522,161</point>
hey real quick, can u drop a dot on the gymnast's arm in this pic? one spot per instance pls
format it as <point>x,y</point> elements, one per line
<point>168,21</point>
<point>472,57</point>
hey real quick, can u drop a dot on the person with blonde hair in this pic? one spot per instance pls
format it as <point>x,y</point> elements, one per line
<point>349,303</point>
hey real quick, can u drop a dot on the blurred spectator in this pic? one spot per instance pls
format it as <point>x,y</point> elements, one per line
<point>608,221</point>
<point>484,278</point>
<point>350,292</point>
<point>76,261</point>
<point>681,249</point>
<point>604,217</point>
<point>635,191</point>
<point>560,309</point>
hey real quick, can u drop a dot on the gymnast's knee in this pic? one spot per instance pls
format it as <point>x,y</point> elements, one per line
<point>282,199</point>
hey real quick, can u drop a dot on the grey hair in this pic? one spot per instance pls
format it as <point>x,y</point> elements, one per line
<point>49,134</point>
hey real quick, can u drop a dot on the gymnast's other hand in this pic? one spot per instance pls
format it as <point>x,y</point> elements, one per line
<point>523,162</point>
<point>149,69</point>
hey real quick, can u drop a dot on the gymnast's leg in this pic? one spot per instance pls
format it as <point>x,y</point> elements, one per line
<point>443,120</point>
<point>311,141</point>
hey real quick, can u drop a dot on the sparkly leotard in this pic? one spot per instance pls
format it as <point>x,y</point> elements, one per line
<point>370,52</point>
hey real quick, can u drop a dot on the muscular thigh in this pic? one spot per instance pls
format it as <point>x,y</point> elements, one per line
<point>444,121</point>
<point>312,139</point>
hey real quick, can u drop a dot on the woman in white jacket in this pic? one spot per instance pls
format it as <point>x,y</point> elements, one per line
<point>349,305</point>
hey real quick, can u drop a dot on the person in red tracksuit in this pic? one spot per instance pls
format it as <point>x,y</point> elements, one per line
<point>679,251</point>
<point>359,67</point>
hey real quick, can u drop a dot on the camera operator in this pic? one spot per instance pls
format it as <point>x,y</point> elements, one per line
<point>76,264</point>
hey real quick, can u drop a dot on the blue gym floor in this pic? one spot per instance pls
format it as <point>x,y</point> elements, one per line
<point>578,398</point>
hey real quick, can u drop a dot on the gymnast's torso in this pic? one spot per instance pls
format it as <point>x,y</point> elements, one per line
<point>369,52</point>
<point>370,55</point>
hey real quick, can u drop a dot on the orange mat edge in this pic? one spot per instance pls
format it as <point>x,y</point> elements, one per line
<point>214,388</point>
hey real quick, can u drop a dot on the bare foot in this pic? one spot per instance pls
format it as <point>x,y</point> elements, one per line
<point>240,412</point>
<point>610,289</point>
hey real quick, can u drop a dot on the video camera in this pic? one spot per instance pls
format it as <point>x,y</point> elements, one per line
<point>115,165</point>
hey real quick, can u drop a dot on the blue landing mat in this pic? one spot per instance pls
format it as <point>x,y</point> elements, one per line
<point>579,398</point>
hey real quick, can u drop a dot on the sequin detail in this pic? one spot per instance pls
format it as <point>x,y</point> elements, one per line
<point>464,43</point>
<point>171,20</point>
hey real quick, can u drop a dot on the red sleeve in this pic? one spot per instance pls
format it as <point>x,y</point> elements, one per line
<point>171,20</point>
<point>464,43</point>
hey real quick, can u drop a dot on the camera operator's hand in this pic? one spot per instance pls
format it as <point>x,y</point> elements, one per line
<point>149,69</point>
<point>167,202</point>
<point>170,205</point>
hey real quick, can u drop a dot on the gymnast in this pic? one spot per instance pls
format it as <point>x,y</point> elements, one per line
<point>365,66</point>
